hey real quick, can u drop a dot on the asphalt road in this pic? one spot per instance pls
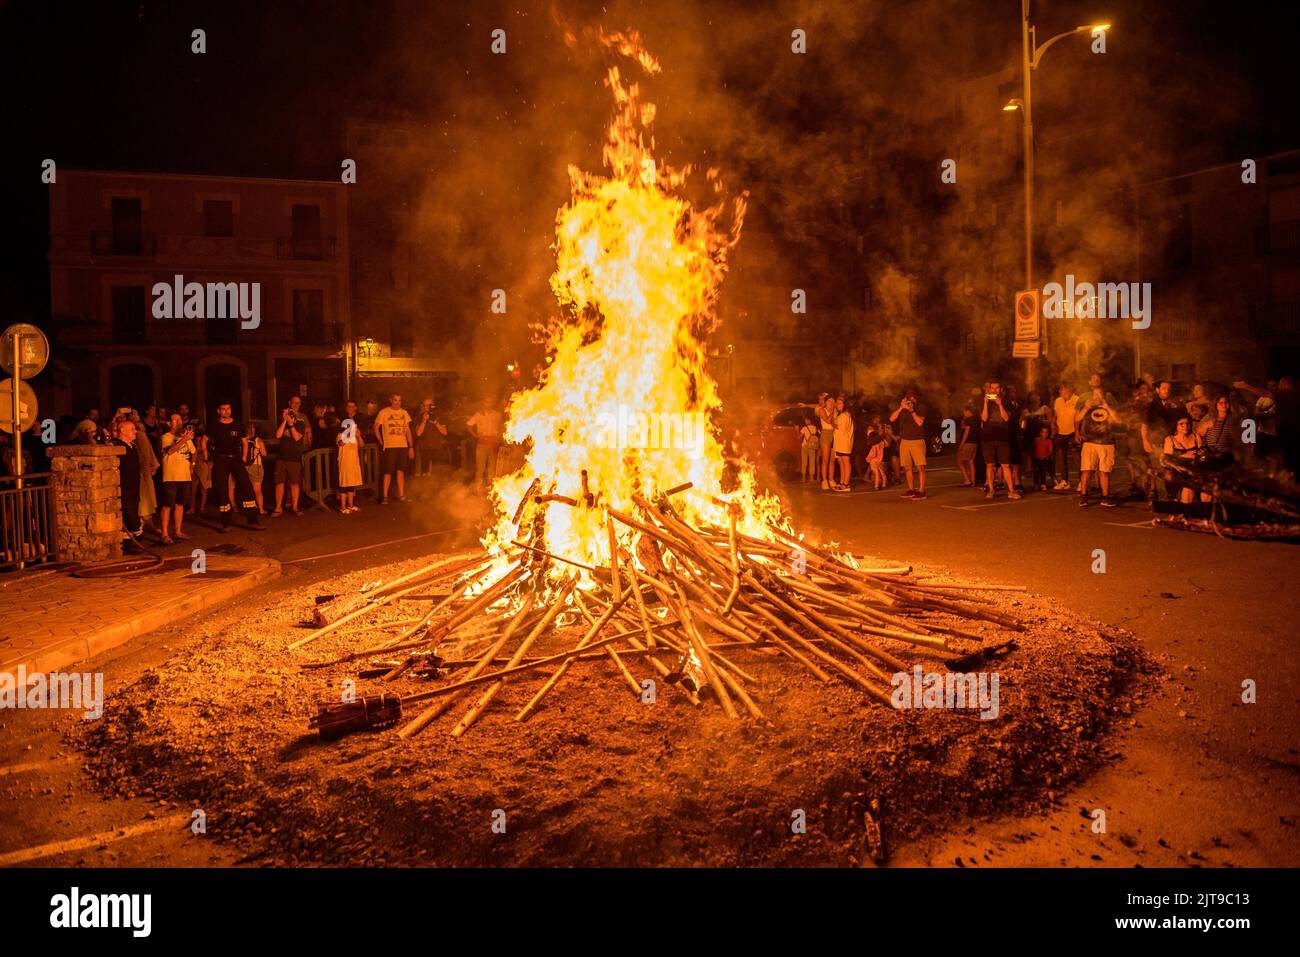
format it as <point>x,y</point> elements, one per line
<point>1200,778</point>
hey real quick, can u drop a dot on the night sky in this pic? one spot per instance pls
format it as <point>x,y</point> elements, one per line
<point>114,84</point>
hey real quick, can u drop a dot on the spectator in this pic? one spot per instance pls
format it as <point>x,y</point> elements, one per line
<point>393,430</point>
<point>294,436</point>
<point>323,431</point>
<point>1094,423</point>
<point>86,432</point>
<point>1015,434</point>
<point>1277,409</point>
<point>128,464</point>
<point>809,445</point>
<point>843,444</point>
<point>826,436</point>
<point>968,445</point>
<point>1041,452</point>
<point>178,452</point>
<point>202,466</point>
<point>911,445</point>
<point>229,453</point>
<point>877,443</point>
<point>995,440</point>
<point>148,466</point>
<point>1201,401</point>
<point>1063,435</point>
<point>1095,383</point>
<point>1183,443</point>
<point>1140,477</point>
<point>256,463</point>
<point>430,439</point>
<point>1217,430</point>
<point>1159,422</point>
<point>485,427</point>
<point>365,420</point>
<point>350,442</point>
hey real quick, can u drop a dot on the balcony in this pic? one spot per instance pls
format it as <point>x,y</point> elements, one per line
<point>306,249</point>
<point>103,242</point>
<point>188,333</point>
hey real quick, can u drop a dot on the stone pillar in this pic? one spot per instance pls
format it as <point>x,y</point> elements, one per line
<point>87,502</point>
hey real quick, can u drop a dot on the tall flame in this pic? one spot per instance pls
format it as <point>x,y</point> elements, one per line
<point>626,396</point>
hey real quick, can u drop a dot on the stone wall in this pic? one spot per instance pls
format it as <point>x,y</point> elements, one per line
<point>87,502</point>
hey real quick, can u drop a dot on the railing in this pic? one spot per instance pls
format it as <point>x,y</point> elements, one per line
<point>104,243</point>
<point>317,249</point>
<point>320,473</point>
<point>26,521</point>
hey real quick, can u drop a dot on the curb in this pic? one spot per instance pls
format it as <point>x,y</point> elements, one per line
<point>58,656</point>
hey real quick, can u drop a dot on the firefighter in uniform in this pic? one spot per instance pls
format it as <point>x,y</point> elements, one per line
<point>229,452</point>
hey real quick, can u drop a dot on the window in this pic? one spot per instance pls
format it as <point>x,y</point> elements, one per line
<point>306,237</point>
<point>968,346</point>
<point>128,314</point>
<point>1184,372</point>
<point>218,217</point>
<point>309,316</point>
<point>127,238</point>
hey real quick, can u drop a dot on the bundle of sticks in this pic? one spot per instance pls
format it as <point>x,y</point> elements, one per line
<point>691,601</point>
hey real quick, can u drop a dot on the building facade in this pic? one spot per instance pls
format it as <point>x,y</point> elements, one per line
<point>114,236</point>
<point>1223,255</point>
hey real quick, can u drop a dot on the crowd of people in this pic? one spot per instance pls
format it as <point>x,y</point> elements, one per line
<point>176,464</point>
<point>1006,446</point>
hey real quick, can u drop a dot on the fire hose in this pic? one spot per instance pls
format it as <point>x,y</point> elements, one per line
<point>120,567</point>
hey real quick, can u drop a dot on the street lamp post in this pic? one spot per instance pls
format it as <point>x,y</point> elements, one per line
<point>1031,55</point>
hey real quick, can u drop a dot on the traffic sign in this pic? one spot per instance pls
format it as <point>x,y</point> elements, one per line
<point>33,349</point>
<point>1025,349</point>
<point>26,406</point>
<point>1027,314</point>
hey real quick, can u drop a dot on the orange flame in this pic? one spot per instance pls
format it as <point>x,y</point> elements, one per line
<point>627,396</point>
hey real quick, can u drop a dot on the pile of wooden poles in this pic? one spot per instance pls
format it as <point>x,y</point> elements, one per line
<point>693,602</point>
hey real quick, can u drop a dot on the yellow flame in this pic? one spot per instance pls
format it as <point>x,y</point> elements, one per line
<point>626,395</point>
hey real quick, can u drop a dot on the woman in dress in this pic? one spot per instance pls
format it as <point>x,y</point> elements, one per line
<point>349,442</point>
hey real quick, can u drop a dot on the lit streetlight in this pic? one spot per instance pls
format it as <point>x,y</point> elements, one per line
<point>1031,56</point>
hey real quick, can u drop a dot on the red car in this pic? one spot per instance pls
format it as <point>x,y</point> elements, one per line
<point>772,441</point>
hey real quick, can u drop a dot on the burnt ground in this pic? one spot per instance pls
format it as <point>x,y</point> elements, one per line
<point>597,777</point>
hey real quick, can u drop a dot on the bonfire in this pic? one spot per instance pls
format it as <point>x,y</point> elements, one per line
<point>625,536</point>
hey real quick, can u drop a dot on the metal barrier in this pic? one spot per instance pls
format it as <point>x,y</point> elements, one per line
<point>26,521</point>
<point>320,473</point>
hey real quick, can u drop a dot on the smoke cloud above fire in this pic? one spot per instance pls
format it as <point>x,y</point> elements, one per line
<point>840,149</point>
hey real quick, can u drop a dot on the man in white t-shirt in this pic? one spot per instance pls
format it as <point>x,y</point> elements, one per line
<point>843,443</point>
<point>393,430</point>
<point>178,452</point>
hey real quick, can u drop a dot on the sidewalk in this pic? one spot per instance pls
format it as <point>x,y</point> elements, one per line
<point>50,620</point>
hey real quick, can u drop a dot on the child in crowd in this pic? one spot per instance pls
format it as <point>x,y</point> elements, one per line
<point>876,444</point>
<point>1044,466</point>
<point>810,436</point>
<point>256,464</point>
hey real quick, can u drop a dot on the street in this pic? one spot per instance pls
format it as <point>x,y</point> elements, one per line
<point>1200,778</point>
